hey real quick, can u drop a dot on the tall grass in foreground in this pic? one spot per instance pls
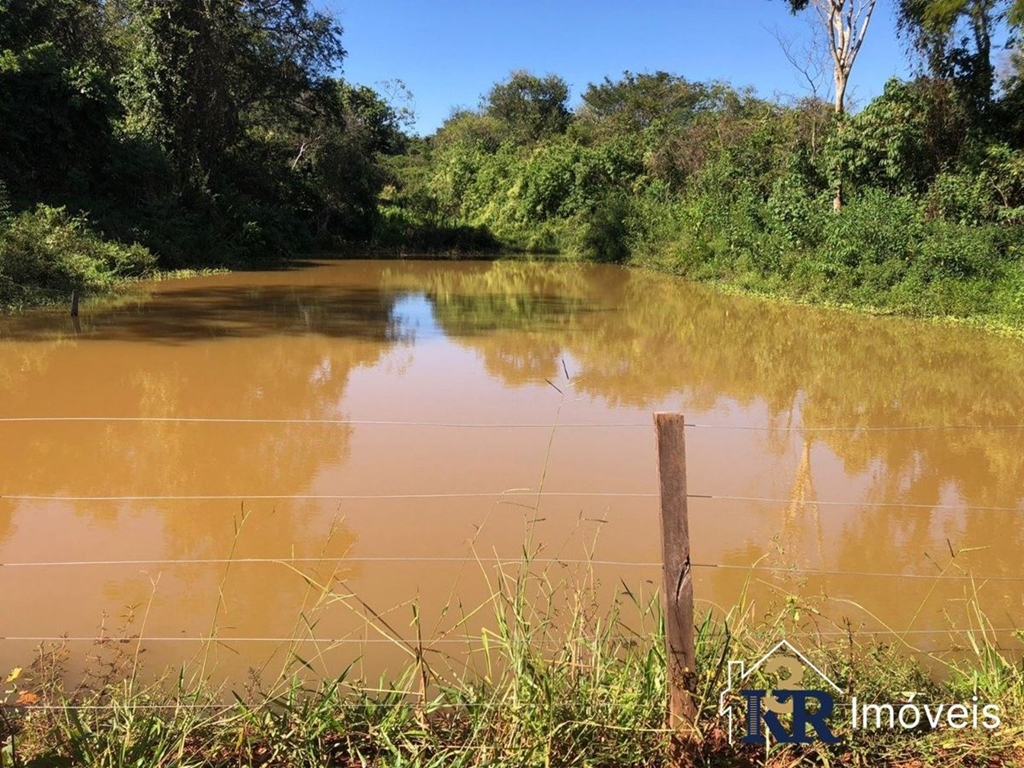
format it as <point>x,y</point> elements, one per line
<point>556,680</point>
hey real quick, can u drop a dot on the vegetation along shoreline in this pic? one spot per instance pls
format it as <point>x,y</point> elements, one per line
<point>144,160</point>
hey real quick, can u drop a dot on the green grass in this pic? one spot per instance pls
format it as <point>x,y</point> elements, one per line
<point>556,680</point>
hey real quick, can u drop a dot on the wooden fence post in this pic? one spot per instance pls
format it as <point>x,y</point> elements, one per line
<point>677,584</point>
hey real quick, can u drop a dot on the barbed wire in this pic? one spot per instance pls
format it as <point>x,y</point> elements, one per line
<point>902,632</point>
<point>319,422</point>
<point>833,503</point>
<point>481,639</point>
<point>487,638</point>
<point>862,574</point>
<point>903,428</point>
<point>114,640</point>
<point>415,702</point>
<point>514,493</point>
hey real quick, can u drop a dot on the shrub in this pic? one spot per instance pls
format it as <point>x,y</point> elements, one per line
<point>955,250</point>
<point>871,230</point>
<point>47,252</point>
<point>964,197</point>
<point>5,204</point>
<point>604,233</point>
<point>793,213</point>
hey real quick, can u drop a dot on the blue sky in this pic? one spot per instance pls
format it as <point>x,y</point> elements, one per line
<point>449,52</point>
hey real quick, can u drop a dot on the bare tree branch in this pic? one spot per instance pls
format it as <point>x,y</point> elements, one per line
<point>811,59</point>
<point>846,22</point>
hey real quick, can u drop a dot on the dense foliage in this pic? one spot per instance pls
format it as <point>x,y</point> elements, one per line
<point>203,132</point>
<point>714,183</point>
<point>46,254</point>
<point>179,133</point>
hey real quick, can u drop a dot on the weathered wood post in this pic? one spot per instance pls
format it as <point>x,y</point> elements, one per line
<point>677,584</point>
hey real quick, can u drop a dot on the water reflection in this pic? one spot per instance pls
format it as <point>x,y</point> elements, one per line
<point>648,338</point>
<point>637,339</point>
<point>483,343</point>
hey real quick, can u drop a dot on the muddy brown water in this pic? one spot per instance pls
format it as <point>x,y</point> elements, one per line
<point>251,418</point>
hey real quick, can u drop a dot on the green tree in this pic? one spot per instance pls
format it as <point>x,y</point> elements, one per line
<point>56,100</point>
<point>197,72</point>
<point>337,158</point>
<point>468,128</point>
<point>532,107</point>
<point>639,101</point>
<point>956,39</point>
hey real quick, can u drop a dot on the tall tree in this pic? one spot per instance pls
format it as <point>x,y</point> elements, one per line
<point>55,94</point>
<point>532,107</point>
<point>638,101</point>
<point>846,25</point>
<point>197,72</point>
<point>957,38</point>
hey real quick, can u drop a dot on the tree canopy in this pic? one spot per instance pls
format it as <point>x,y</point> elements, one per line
<point>206,130</point>
<point>532,107</point>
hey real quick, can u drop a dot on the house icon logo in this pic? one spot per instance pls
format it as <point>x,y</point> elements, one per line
<point>801,693</point>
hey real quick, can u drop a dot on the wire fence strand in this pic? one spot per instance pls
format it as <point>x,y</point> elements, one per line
<point>515,493</point>
<point>501,425</point>
<point>343,559</point>
<point>857,428</point>
<point>461,640</point>
<point>113,640</point>
<point>318,422</point>
<point>876,504</point>
<point>324,560</point>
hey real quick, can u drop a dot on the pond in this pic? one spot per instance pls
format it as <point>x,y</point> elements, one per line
<point>206,457</point>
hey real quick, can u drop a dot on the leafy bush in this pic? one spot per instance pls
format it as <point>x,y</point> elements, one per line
<point>964,197</point>
<point>872,230</point>
<point>900,140</point>
<point>959,251</point>
<point>401,230</point>
<point>605,232</point>
<point>793,213</point>
<point>48,253</point>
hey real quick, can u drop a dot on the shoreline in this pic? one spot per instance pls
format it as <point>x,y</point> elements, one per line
<point>985,323</point>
